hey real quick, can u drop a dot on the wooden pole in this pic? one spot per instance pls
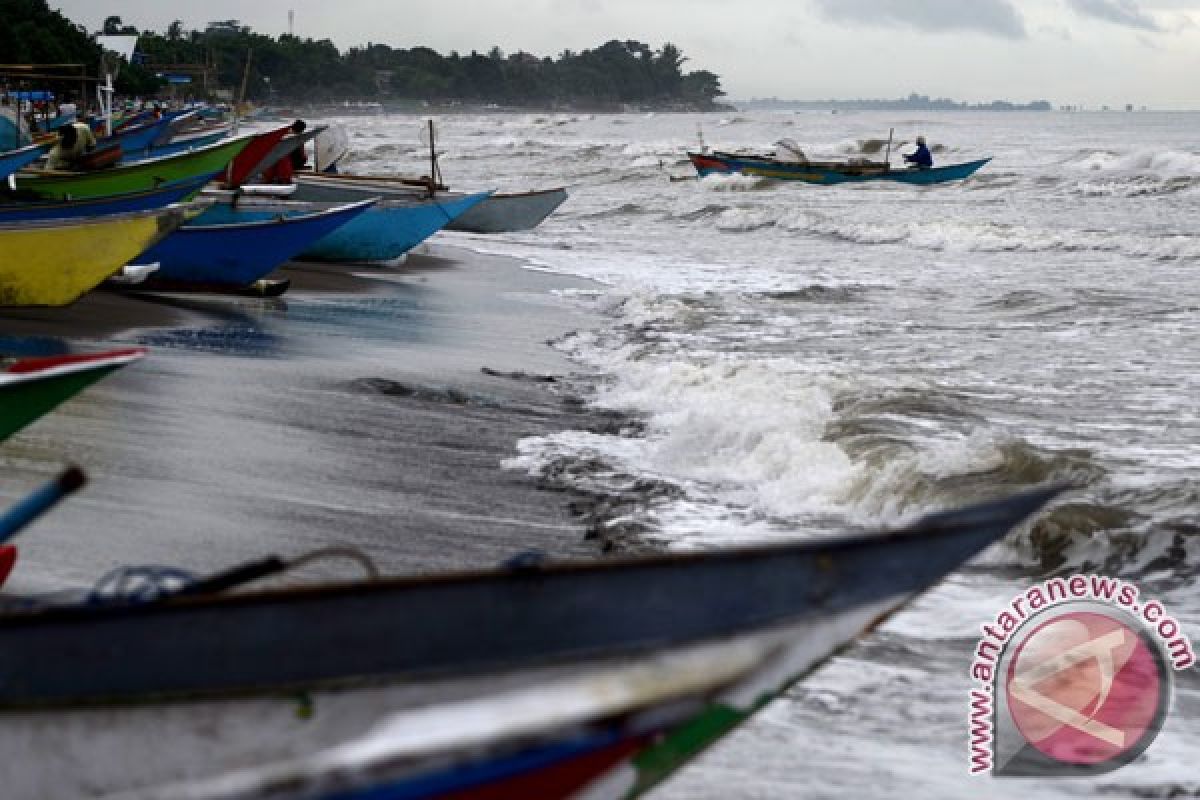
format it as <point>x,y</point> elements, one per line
<point>242,91</point>
<point>887,158</point>
<point>433,181</point>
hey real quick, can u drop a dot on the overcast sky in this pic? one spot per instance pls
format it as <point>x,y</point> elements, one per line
<point>1094,52</point>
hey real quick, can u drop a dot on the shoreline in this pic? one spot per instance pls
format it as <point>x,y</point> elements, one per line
<point>368,407</point>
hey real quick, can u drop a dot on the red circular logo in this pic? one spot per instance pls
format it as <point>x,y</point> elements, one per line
<point>1086,688</point>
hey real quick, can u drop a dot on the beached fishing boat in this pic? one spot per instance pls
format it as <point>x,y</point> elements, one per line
<point>54,262</point>
<point>237,254</point>
<point>14,160</point>
<point>510,212</point>
<point>123,179</point>
<point>501,212</point>
<point>176,192</point>
<point>523,674</point>
<point>828,172</point>
<point>384,233</point>
<point>31,387</point>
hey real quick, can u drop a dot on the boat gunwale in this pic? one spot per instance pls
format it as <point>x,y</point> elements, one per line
<point>42,175</point>
<point>283,219</point>
<point>103,219</point>
<point>937,526</point>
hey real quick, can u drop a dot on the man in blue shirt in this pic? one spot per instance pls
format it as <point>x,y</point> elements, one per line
<point>921,158</point>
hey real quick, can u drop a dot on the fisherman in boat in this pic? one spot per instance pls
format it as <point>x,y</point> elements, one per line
<point>74,141</point>
<point>281,171</point>
<point>921,158</point>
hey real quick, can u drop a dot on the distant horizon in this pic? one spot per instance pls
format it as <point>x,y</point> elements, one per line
<point>898,103</point>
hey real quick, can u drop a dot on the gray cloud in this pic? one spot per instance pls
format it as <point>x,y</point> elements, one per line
<point>992,17</point>
<point>1118,12</point>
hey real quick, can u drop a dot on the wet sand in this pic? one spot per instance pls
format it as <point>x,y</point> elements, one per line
<point>368,407</point>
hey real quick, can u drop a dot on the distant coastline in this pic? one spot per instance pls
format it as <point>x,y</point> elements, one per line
<point>914,102</point>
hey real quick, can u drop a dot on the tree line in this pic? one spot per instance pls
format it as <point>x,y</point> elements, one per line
<point>290,69</point>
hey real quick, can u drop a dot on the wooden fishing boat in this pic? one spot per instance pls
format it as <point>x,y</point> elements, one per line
<point>547,679</point>
<point>237,254</point>
<point>510,212</point>
<point>177,192</point>
<point>14,160</point>
<point>828,172</point>
<point>123,179</point>
<point>501,212</point>
<point>54,262</point>
<point>384,233</point>
<point>31,387</point>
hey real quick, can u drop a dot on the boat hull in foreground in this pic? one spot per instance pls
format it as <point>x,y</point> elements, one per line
<point>546,679</point>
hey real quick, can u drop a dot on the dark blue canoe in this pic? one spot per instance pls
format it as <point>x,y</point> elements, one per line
<point>236,254</point>
<point>176,192</point>
<point>827,173</point>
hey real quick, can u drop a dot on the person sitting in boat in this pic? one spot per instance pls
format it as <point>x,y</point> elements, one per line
<point>921,158</point>
<point>74,141</point>
<point>281,171</point>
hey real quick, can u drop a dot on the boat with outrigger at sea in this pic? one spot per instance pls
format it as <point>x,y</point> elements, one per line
<point>789,163</point>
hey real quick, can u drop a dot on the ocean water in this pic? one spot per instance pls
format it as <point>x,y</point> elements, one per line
<point>811,359</point>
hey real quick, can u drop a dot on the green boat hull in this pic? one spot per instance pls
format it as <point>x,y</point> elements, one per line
<point>138,177</point>
<point>23,403</point>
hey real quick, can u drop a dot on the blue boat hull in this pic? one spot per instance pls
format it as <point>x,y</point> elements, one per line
<point>826,174</point>
<point>136,140</point>
<point>241,252</point>
<point>384,233</point>
<point>13,160</point>
<point>176,192</point>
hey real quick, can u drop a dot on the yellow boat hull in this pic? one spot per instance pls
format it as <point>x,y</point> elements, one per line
<point>55,263</point>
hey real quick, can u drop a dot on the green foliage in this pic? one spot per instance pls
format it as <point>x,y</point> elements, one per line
<point>290,69</point>
<point>33,34</point>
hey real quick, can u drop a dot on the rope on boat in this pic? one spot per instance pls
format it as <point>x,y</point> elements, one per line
<point>345,552</point>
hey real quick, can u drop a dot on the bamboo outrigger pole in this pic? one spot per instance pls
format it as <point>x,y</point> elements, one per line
<point>237,107</point>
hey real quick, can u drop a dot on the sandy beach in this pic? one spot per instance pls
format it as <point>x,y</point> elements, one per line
<point>368,407</point>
